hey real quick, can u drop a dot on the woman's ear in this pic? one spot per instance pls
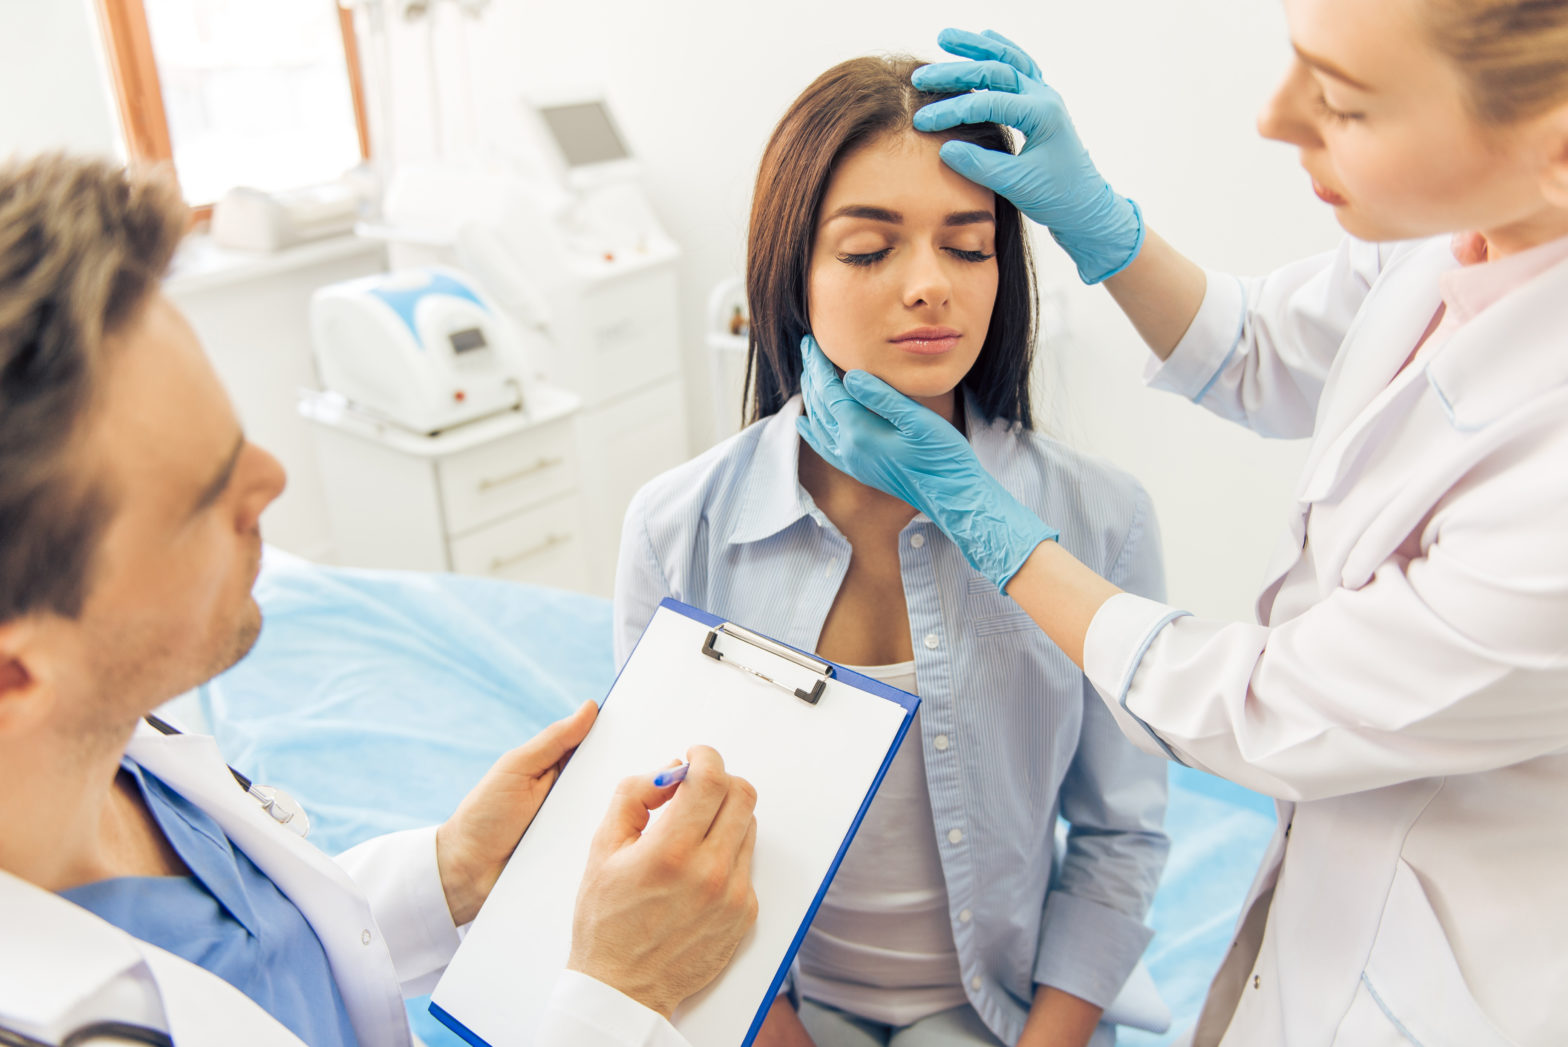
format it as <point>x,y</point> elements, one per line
<point>1554,181</point>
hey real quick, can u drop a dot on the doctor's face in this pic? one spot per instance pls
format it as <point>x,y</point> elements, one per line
<point>1381,121</point>
<point>903,271</point>
<point>169,602</point>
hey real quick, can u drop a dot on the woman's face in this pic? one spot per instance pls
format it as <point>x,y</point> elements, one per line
<point>1384,131</point>
<point>903,270</point>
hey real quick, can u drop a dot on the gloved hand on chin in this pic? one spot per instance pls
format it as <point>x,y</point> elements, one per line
<point>863,427</point>
<point>1052,179</point>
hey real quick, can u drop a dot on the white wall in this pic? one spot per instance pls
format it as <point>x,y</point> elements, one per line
<point>1164,93</point>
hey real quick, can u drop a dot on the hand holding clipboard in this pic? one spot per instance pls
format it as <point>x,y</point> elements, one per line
<point>782,714</point>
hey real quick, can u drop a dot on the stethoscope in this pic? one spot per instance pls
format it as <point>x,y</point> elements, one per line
<point>121,1031</point>
<point>284,809</point>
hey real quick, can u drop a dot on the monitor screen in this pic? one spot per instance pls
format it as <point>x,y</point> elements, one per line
<point>467,339</point>
<point>584,133</point>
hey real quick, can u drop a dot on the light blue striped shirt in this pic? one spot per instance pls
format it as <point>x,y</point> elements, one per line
<point>1023,736</point>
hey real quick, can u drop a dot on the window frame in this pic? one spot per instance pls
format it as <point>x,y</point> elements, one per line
<point>144,121</point>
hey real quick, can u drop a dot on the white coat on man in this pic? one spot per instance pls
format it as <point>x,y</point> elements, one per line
<point>1405,693</point>
<point>378,910</point>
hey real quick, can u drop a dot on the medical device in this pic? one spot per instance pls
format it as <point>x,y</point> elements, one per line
<point>420,348</point>
<point>563,238</point>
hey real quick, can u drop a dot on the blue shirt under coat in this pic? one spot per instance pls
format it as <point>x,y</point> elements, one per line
<point>226,917</point>
<point>1014,735</point>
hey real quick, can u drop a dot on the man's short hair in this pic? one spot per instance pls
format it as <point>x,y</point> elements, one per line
<point>83,245</point>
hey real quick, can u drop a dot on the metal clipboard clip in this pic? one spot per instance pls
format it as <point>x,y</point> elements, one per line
<point>823,670</point>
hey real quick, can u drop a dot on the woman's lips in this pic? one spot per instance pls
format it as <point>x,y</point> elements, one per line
<point>1327,195</point>
<point>927,341</point>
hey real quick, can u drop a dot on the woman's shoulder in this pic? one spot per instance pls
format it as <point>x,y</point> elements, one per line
<point>705,485</point>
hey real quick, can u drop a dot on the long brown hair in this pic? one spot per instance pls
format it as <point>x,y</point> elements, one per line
<point>846,107</point>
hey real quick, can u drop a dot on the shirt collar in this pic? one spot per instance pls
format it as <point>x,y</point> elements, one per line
<point>1509,352</point>
<point>774,497</point>
<point>1472,288</point>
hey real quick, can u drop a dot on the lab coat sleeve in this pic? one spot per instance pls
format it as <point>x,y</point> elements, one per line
<point>1259,350</point>
<point>399,877</point>
<point>1113,798</point>
<point>1450,661</point>
<point>585,1012</point>
<point>639,580</point>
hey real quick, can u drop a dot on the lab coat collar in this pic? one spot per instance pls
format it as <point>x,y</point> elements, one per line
<point>1514,350</point>
<point>775,499</point>
<point>55,956</point>
<point>191,765</point>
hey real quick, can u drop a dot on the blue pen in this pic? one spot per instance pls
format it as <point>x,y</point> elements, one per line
<point>671,776</point>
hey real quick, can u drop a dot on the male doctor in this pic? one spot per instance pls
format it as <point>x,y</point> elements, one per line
<point>139,884</point>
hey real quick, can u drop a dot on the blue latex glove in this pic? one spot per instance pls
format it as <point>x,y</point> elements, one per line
<point>862,426</point>
<point>1052,179</point>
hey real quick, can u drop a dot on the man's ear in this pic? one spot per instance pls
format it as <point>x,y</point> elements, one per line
<point>24,698</point>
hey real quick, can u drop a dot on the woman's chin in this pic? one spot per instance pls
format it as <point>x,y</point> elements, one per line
<point>919,383</point>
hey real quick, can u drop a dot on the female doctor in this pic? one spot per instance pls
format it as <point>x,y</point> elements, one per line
<point>1404,693</point>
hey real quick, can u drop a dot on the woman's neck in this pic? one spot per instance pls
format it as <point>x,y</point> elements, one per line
<point>856,508</point>
<point>1542,228</point>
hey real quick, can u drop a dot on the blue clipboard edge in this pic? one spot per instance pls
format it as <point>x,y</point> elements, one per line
<point>906,701</point>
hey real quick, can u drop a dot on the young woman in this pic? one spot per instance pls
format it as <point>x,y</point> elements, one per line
<point>1405,690</point>
<point>950,921</point>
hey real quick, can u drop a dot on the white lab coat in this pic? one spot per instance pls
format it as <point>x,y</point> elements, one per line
<point>1406,693</point>
<point>378,910</point>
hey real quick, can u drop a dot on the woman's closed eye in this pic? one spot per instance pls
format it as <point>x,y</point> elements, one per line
<point>873,257</point>
<point>1339,116</point>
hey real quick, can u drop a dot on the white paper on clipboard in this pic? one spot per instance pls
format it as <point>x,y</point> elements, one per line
<point>815,768</point>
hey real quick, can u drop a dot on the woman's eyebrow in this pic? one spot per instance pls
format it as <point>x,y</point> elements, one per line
<point>969,218</point>
<point>1323,65</point>
<point>875,214</point>
<point>882,214</point>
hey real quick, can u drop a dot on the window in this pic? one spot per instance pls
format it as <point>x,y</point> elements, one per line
<point>262,93</point>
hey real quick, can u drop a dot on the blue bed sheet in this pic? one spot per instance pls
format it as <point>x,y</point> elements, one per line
<point>380,697</point>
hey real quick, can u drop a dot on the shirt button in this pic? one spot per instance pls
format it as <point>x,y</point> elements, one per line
<point>940,742</point>
<point>965,916</point>
<point>364,937</point>
<point>955,835</point>
<point>1257,982</point>
<point>932,641</point>
<point>916,541</point>
<point>974,983</point>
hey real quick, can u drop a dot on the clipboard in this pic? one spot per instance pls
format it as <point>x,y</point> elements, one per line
<point>814,738</point>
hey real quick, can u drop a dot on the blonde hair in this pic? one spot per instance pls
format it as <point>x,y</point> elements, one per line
<point>83,245</point>
<point>1512,53</point>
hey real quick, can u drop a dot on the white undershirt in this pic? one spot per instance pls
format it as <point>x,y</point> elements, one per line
<point>881,946</point>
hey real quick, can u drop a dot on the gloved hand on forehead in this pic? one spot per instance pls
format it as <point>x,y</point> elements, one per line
<point>1052,179</point>
<point>863,427</point>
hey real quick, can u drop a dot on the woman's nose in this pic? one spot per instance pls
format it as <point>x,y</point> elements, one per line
<point>1287,115</point>
<point>927,282</point>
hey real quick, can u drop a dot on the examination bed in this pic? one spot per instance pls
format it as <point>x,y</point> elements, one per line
<point>378,698</point>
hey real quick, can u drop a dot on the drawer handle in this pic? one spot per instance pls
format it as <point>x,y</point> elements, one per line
<point>488,483</point>
<point>499,563</point>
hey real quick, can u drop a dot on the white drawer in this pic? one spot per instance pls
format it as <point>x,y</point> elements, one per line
<point>485,483</point>
<point>542,546</point>
<point>630,335</point>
